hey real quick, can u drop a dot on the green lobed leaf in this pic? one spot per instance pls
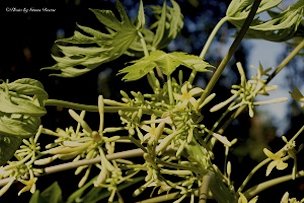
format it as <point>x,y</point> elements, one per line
<point>176,20</point>
<point>21,106</point>
<point>123,14</point>
<point>23,128</point>
<point>141,21</point>
<point>26,86</point>
<point>238,10</point>
<point>14,104</point>
<point>77,58</point>
<point>137,70</point>
<point>281,27</point>
<point>8,146</point>
<point>192,61</point>
<point>89,48</point>
<point>170,22</point>
<point>160,27</point>
<point>167,63</point>
<point>107,18</point>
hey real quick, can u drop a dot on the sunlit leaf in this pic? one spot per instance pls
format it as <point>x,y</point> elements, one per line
<point>280,27</point>
<point>238,10</point>
<point>167,63</point>
<point>21,106</point>
<point>170,22</point>
<point>89,48</point>
<point>141,21</point>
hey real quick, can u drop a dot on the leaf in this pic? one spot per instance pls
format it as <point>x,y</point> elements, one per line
<point>35,197</point>
<point>166,62</point>
<point>21,106</point>
<point>281,27</point>
<point>78,193</point>
<point>52,194</point>
<point>238,10</point>
<point>141,21</point>
<point>169,24</point>
<point>28,86</point>
<point>192,61</point>
<point>8,146</point>
<point>107,18</point>
<point>160,27</point>
<point>137,70</point>
<point>19,128</point>
<point>89,48</point>
<point>298,96</point>
<point>96,194</point>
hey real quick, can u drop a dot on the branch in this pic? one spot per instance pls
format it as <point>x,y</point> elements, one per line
<point>231,51</point>
<point>203,191</point>
<point>253,191</point>
<point>286,61</point>
<point>161,198</point>
<point>67,166</point>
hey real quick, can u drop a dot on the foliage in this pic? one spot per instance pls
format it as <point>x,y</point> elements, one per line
<point>165,128</point>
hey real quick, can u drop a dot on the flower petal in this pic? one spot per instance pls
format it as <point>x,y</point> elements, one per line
<point>268,153</point>
<point>281,165</point>
<point>270,166</point>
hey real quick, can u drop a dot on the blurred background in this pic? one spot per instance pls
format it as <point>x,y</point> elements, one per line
<point>27,41</point>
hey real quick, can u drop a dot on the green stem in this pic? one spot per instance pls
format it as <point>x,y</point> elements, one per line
<point>207,45</point>
<point>91,108</point>
<point>253,191</point>
<point>265,161</point>
<point>146,52</point>
<point>286,61</point>
<point>143,43</point>
<point>254,170</point>
<point>203,190</point>
<point>231,51</point>
<point>170,92</point>
<point>211,36</point>
<point>297,134</point>
<point>282,65</point>
<point>277,70</point>
<point>162,198</point>
<point>74,164</point>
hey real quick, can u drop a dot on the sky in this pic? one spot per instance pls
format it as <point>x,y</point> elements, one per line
<point>267,53</point>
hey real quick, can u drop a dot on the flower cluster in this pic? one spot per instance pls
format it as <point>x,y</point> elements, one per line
<point>244,94</point>
<point>22,169</point>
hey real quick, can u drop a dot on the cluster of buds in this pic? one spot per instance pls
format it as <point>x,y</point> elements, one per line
<point>245,93</point>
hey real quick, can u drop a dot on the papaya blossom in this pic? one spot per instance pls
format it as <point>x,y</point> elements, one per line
<point>21,107</point>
